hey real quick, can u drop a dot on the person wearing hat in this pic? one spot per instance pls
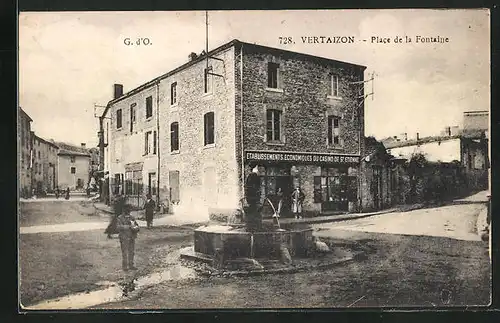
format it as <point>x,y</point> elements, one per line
<point>127,232</point>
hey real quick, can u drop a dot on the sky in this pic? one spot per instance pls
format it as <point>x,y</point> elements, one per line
<point>69,61</point>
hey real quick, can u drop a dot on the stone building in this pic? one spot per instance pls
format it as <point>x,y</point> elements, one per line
<point>44,165</point>
<point>24,150</point>
<point>73,164</point>
<point>190,136</point>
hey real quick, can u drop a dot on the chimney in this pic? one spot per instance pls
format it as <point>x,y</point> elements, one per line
<point>118,91</point>
<point>192,56</point>
<point>83,145</point>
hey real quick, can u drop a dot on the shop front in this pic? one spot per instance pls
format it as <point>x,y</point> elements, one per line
<point>329,181</point>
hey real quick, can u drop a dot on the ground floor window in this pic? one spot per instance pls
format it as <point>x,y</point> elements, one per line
<point>133,182</point>
<point>335,188</point>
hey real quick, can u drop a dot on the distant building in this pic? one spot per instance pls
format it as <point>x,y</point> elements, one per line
<point>73,166</point>
<point>44,165</point>
<point>468,145</point>
<point>24,144</point>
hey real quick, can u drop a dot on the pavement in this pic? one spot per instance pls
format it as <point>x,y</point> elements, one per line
<point>426,220</point>
<point>462,221</point>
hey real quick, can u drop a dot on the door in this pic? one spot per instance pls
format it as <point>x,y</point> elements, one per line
<point>152,184</point>
<point>286,185</point>
<point>174,186</point>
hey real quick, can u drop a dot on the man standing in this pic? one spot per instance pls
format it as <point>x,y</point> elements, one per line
<point>149,206</point>
<point>127,228</point>
<point>297,200</point>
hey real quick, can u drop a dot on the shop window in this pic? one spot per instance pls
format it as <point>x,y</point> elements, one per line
<point>173,93</point>
<point>209,128</point>
<point>333,130</point>
<point>272,75</point>
<point>132,116</point>
<point>273,125</point>
<point>275,177</point>
<point>208,80</point>
<point>174,136</point>
<point>118,118</point>
<point>149,107</point>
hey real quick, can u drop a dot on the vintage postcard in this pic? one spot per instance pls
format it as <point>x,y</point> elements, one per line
<point>254,159</point>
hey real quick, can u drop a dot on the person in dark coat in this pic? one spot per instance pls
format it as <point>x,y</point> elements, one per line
<point>128,229</point>
<point>118,210</point>
<point>67,194</point>
<point>149,206</point>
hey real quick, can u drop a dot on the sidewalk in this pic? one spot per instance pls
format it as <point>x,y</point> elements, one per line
<point>333,218</point>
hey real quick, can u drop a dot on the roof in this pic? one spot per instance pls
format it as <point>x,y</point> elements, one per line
<point>414,142</point>
<point>68,149</point>
<point>25,114</point>
<point>53,144</point>
<point>234,42</point>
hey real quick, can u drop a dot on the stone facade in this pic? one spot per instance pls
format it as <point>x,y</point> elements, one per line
<point>198,178</point>
<point>25,143</point>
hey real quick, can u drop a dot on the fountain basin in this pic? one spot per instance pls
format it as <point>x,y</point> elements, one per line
<point>224,244</point>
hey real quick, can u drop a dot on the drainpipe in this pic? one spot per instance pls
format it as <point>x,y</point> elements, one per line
<point>241,129</point>
<point>360,172</point>
<point>158,143</point>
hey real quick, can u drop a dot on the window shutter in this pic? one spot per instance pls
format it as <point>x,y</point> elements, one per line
<point>154,143</point>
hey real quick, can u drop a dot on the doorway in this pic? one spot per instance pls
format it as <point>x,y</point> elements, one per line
<point>376,187</point>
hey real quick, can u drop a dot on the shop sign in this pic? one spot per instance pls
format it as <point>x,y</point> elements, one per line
<point>300,157</point>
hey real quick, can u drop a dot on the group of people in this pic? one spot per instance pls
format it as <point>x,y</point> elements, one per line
<point>125,225</point>
<point>297,199</point>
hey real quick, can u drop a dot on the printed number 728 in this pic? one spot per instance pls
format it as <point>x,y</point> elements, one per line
<point>286,40</point>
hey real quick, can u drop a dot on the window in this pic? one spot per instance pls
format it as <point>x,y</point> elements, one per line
<point>73,170</point>
<point>72,159</point>
<point>209,128</point>
<point>273,118</point>
<point>152,183</point>
<point>132,116</point>
<point>149,107</point>
<point>174,182</point>
<point>272,75</point>
<point>118,118</point>
<point>334,85</point>
<point>208,80</point>
<point>147,142</point>
<point>39,154</point>
<point>173,93</point>
<point>333,130</point>
<point>150,143</point>
<point>133,182</point>
<point>174,136</point>
<point>154,142</point>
